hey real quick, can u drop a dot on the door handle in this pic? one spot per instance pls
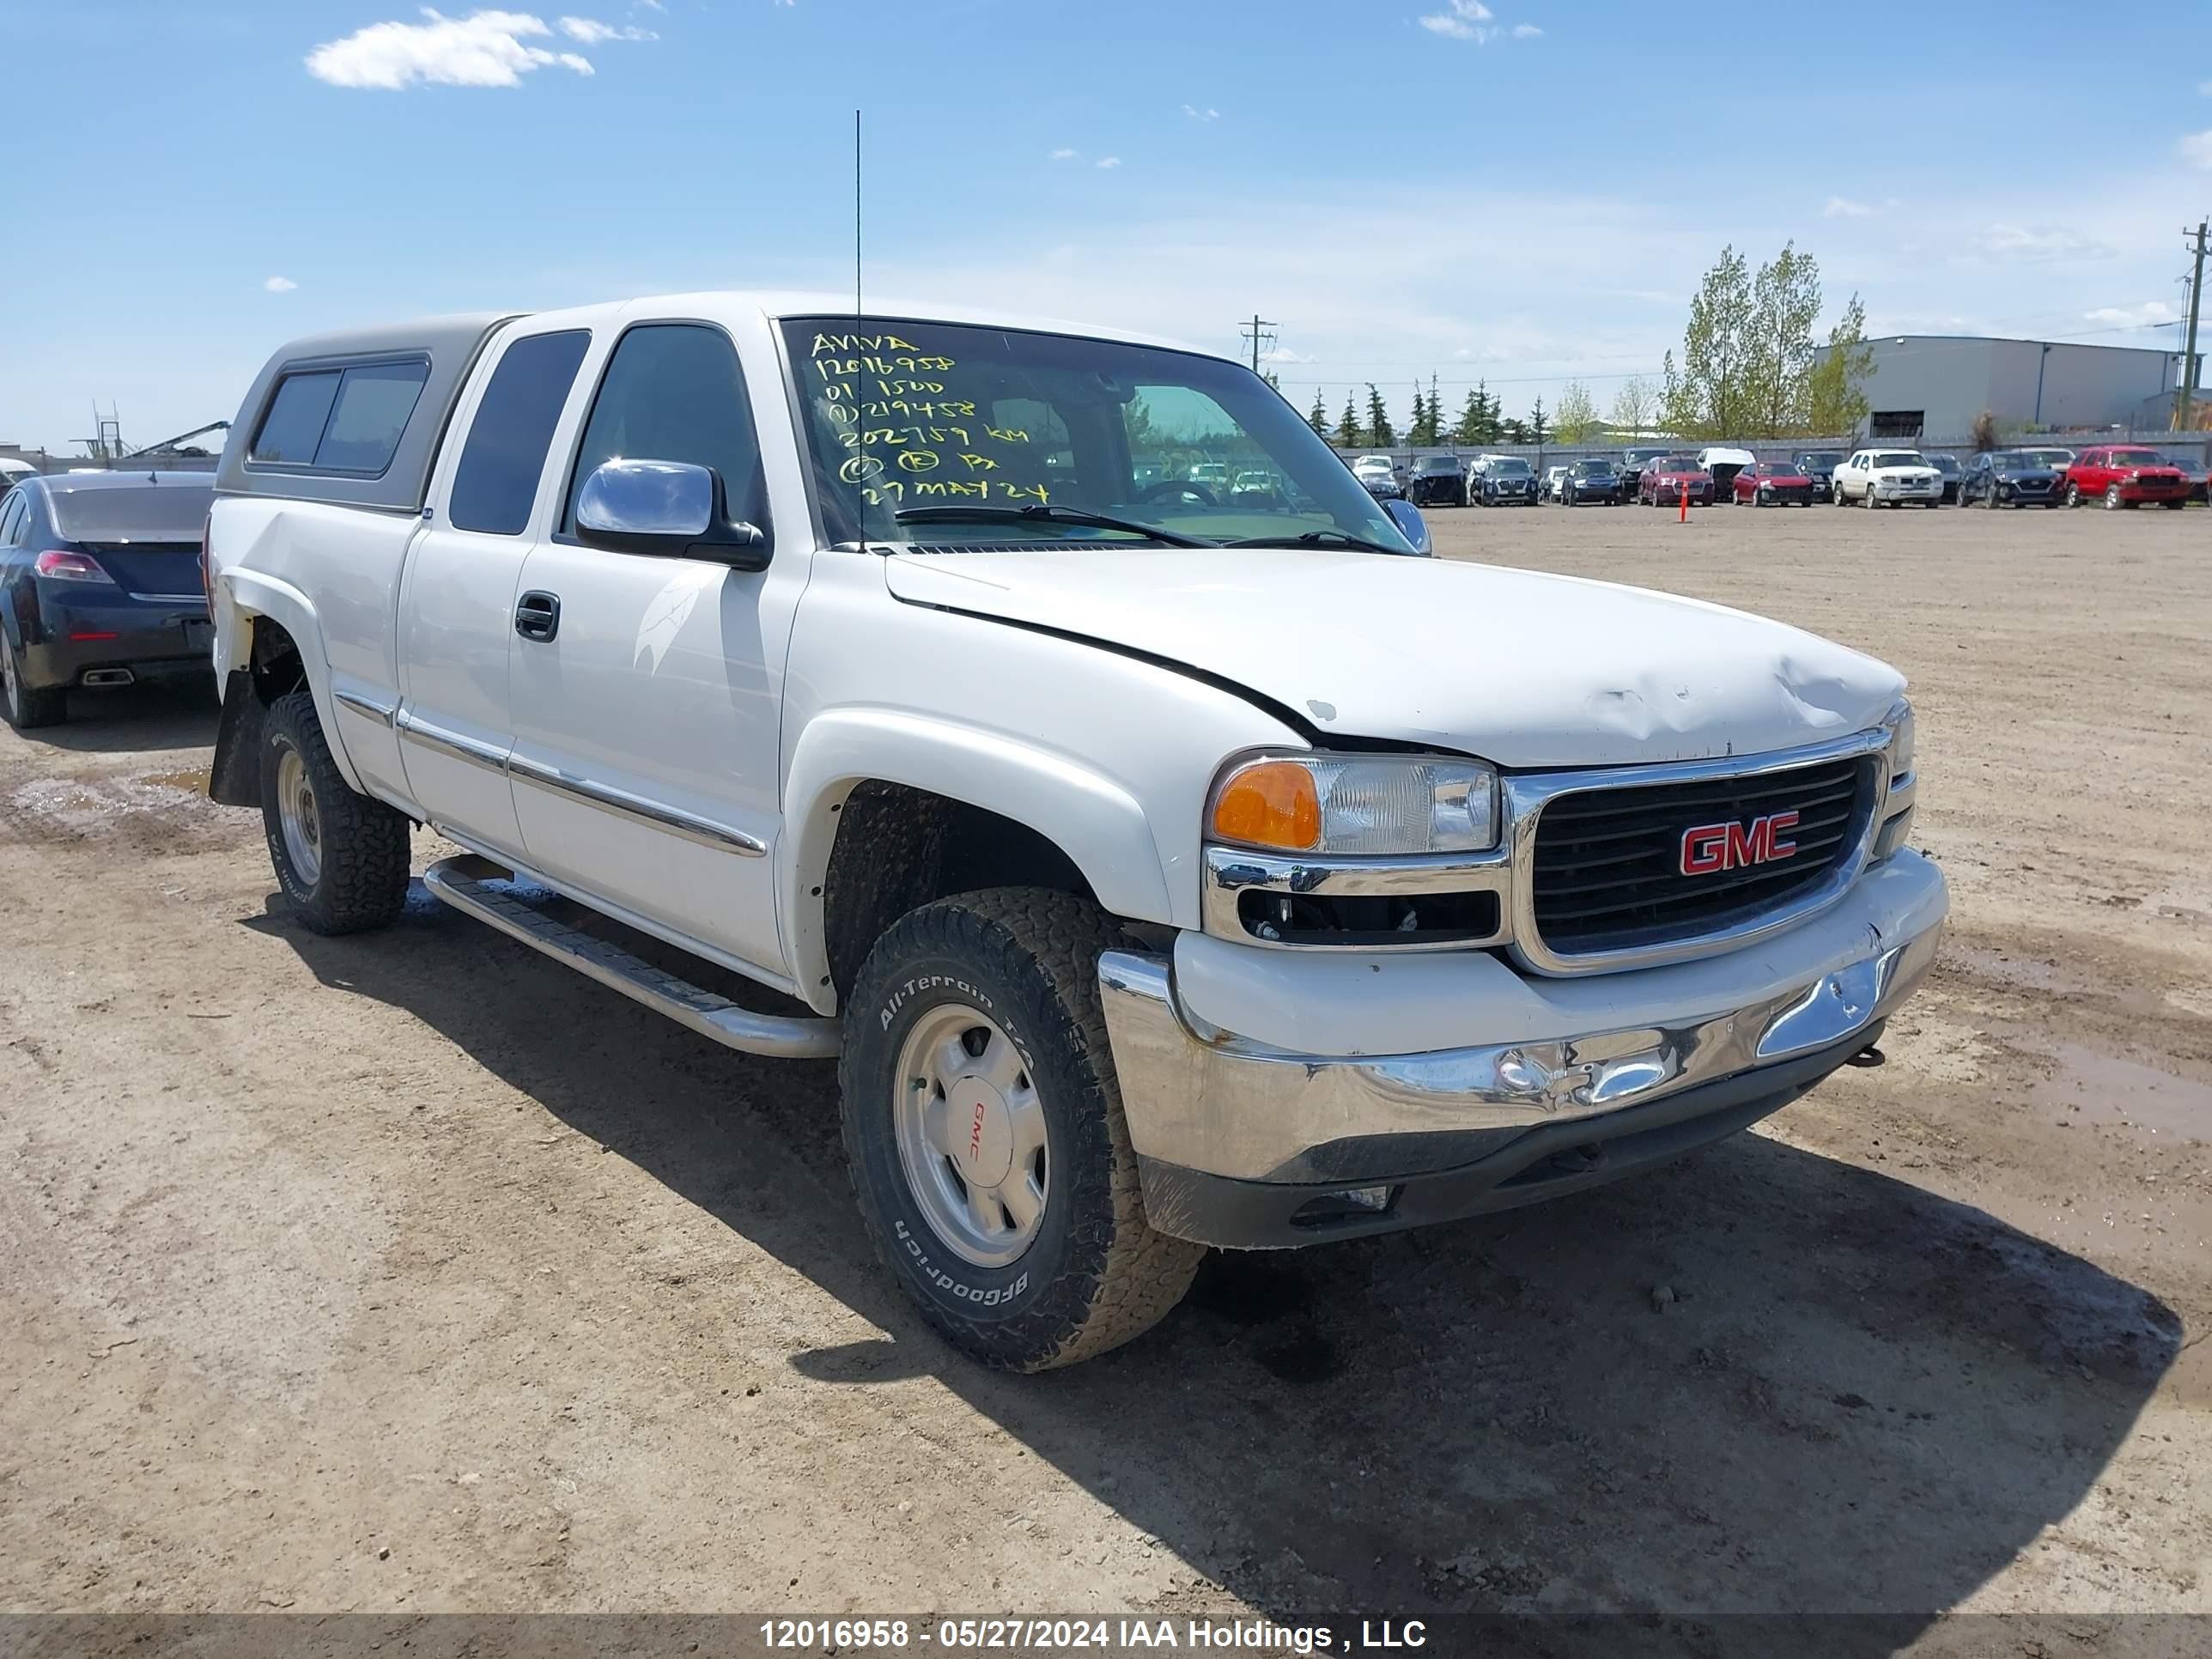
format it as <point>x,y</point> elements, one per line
<point>538,615</point>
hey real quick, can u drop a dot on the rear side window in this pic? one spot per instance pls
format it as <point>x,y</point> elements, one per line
<point>340,420</point>
<point>497,479</point>
<point>673,391</point>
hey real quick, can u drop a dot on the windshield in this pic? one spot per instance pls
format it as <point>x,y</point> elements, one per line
<point>2049,457</point>
<point>1509,466</point>
<point>155,513</point>
<point>1592,469</point>
<point>1898,458</point>
<point>1822,458</point>
<point>2137,458</point>
<point>907,415</point>
<point>1779,470</point>
<point>1678,464</point>
<point>2023,462</point>
<point>1437,463</point>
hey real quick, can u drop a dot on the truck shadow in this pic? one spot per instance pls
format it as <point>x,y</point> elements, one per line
<point>1761,1381</point>
<point>154,714</point>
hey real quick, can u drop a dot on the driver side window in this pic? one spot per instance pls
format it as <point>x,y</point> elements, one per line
<point>674,391</point>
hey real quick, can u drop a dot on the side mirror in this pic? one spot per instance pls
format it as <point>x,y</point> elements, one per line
<point>1411,525</point>
<point>668,509</point>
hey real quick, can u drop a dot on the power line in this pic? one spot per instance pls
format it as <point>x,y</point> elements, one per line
<point>1253,332</point>
<point>2189,351</point>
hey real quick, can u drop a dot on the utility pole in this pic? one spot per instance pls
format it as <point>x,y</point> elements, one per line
<point>1257,335</point>
<point>2189,350</point>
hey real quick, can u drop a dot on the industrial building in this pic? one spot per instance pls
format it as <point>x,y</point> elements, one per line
<point>1933,385</point>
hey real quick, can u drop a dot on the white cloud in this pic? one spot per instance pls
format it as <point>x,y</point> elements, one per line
<point>280,285</point>
<point>592,32</point>
<point>1837,207</point>
<point>485,49</point>
<point>1061,155</point>
<point>1108,161</point>
<point>2033,243</point>
<point>2148,314</point>
<point>1283,354</point>
<point>1526,32</point>
<point>2196,149</point>
<point>1196,114</point>
<point>647,5</point>
<point>1466,21</point>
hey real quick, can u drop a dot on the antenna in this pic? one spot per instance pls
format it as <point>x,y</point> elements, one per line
<point>860,485</point>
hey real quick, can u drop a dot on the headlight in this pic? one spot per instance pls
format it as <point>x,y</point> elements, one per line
<point>1899,722</point>
<point>1357,805</point>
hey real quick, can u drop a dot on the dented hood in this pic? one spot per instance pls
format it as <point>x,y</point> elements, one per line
<point>1518,667</point>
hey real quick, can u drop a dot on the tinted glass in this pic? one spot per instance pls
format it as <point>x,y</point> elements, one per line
<point>156,512</point>
<point>497,479</point>
<point>1510,467</point>
<point>293,425</point>
<point>673,391</point>
<point>372,410</point>
<point>12,514</point>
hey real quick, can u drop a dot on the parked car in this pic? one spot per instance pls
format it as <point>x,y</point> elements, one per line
<point>2125,475</point>
<point>1547,488</point>
<point>100,585</point>
<point>1772,483</point>
<point>1381,482</point>
<point>13,471</point>
<point>1210,476</point>
<point>2057,460</point>
<point>1948,470</point>
<point>1818,466</point>
<point>1887,478</point>
<point>1589,481</point>
<point>2194,469</point>
<point>1633,460</point>
<point>1721,464</point>
<point>2011,477</point>
<point>1671,478</point>
<point>1256,483</point>
<point>1438,481</point>
<point>1501,481</point>
<point>1082,912</point>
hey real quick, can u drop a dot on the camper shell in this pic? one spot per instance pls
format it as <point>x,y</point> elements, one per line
<point>390,477</point>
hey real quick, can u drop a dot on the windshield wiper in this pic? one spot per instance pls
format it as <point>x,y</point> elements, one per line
<point>1319,538</point>
<point>1046,514</point>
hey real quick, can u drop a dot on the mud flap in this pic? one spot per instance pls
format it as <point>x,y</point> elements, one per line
<point>234,779</point>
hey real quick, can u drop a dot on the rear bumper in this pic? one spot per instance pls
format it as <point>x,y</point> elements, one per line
<point>1246,1144</point>
<point>142,638</point>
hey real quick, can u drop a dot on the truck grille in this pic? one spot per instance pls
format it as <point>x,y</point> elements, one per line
<point>1607,868</point>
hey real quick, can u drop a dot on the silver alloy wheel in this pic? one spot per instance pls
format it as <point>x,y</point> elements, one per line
<point>971,1135</point>
<point>296,811</point>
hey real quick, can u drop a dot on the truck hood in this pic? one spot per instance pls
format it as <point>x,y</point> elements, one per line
<point>1516,666</point>
<point>1905,474</point>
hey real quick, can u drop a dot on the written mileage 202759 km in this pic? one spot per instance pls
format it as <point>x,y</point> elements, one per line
<point>899,416</point>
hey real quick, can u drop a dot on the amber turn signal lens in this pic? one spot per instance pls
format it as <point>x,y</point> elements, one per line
<point>1270,803</point>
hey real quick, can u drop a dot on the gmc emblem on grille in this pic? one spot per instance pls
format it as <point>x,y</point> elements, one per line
<point>1710,848</point>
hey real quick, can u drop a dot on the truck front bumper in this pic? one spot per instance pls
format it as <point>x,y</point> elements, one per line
<point>1247,1145</point>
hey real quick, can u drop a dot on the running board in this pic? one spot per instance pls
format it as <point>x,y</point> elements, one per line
<point>465,883</point>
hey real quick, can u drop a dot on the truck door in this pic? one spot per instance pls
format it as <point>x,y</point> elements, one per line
<point>457,598</point>
<point>647,688</point>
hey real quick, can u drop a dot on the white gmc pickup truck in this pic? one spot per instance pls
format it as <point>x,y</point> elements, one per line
<point>1162,869</point>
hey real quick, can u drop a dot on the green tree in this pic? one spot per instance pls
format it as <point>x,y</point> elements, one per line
<point>1469,428</point>
<point>1537,432</point>
<point>1268,375</point>
<point>1493,428</point>
<point>1712,391</point>
<point>1419,423</point>
<point>1780,351</point>
<point>1633,406</point>
<point>1576,418</point>
<point>1512,432</point>
<point>1348,435</point>
<point>1317,416</point>
<point>1834,402</point>
<point>1381,435</point>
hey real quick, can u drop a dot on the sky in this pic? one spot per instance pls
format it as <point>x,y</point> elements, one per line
<point>1520,191</point>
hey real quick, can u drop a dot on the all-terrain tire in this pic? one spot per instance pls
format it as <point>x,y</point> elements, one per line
<point>361,882</point>
<point>1095,1274</point>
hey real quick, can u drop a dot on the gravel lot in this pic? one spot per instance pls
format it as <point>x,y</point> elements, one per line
<point>413,1272</point>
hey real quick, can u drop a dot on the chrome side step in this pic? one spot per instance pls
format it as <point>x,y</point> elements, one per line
<point>467,883</point>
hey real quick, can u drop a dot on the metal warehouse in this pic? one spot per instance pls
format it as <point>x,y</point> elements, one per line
<point>1933,386</point>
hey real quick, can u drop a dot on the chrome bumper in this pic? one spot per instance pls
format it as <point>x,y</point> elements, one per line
<point>1209,1101</point>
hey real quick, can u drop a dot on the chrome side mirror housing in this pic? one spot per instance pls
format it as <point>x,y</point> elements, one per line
<point>671,509</point>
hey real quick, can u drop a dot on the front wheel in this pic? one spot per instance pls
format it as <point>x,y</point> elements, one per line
<point>2112,502</point>
<point>984,1132</point>
<point>340,857</point>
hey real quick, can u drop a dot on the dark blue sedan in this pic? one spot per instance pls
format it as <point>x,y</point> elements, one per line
<point>100,585</point>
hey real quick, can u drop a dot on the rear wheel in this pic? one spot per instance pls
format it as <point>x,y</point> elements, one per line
<point>984,1132</point>
<point>340,857</point>
<point>26,705</point>
<point>1867,500</point>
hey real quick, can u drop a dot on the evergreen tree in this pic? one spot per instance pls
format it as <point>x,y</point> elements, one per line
<point>1537,432</point>
<point>1417,432</point>
<point>1348,435</point>
<point>1469,428</point>
<point>1317,416</point>
<point>1493,410</point>
<point>1512,432</point>
<point>1381,435</point>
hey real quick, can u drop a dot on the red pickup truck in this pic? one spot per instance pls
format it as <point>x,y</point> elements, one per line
<point>2125,476</point>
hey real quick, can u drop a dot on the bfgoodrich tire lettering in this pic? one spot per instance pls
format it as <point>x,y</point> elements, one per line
<point>356,877</point>
<point>1093,1274</point>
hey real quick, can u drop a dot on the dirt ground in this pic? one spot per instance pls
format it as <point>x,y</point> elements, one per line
<point>411,1272</point>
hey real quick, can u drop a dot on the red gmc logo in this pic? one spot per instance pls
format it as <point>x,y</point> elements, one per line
<point>1714,846</point>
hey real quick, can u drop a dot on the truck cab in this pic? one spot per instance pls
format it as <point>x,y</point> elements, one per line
<point>1162,870</point>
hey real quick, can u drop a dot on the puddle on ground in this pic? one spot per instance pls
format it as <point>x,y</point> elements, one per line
<point>192,783</point>
<point>2095,1089</point>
